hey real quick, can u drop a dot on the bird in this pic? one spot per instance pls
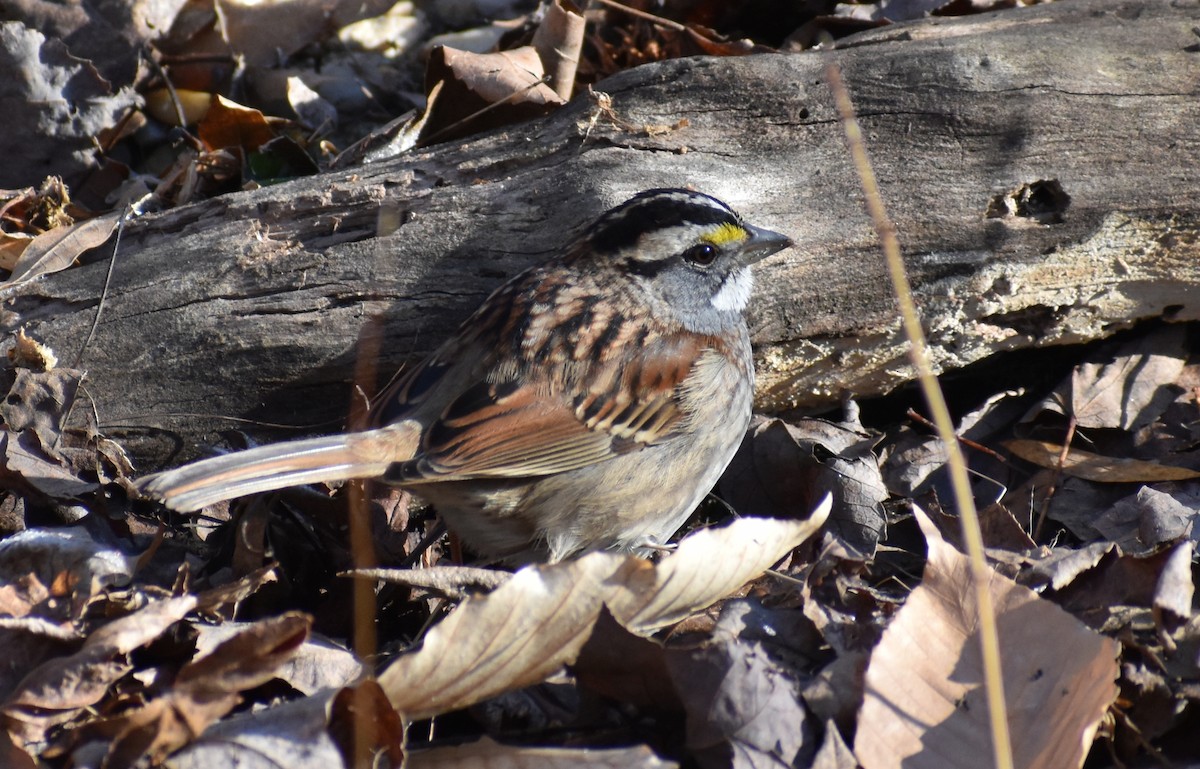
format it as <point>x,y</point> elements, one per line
<point>590,403</point>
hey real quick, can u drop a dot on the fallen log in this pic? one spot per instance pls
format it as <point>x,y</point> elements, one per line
<point>1041,166</point>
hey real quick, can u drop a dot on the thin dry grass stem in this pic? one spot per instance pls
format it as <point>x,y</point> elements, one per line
<point>95,324</point>
<point>886,231</point>
<point>362,547</point>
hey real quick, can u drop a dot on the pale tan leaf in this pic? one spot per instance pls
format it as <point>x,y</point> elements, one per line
<point>58,249</point>
<point>29,353</point>
<point>487,754</point>
<point>538,620</point>
<point>924,703</point>
<point>709,564</point>
<point>518,635</point>
<point>1095,467</point>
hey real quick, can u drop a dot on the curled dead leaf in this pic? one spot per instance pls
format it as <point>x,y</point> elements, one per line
<point>559,42</point>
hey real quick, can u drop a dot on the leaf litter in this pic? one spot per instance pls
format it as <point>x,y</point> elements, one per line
<point>134,638</point>
<point>131,640</point>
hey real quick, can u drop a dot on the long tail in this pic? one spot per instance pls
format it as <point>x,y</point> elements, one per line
<point>266,468</point>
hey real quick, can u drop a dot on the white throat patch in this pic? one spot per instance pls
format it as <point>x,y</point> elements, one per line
<point>735,291</point>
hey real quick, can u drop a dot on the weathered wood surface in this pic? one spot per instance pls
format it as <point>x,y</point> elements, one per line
<point>248,306</point>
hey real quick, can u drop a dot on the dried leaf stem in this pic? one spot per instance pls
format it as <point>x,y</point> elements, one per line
<point>886,231</point>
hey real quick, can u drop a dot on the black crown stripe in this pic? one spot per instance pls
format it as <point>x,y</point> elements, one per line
<point>654,210</point>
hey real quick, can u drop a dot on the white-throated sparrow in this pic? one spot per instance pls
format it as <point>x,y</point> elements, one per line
<point>590,402</point>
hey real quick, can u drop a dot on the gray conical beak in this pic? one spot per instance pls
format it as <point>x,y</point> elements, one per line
<point>762,244</point>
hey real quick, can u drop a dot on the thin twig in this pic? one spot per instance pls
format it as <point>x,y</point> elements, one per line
<point>112,262</point>
<point>1056,478</point>
<point>659,20</point>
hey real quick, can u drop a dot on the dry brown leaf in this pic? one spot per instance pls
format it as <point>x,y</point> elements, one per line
<point>205,690</point>
<point>453,581</point>
<point>834,753</point>
<point>710,42</point>
<point>228,124</point>
<point>29,353</point>
<point>180,106</point>
<point>1062,565</point>
<point>36,401</point>
<point>233,593</point>
<point>59,95</point>
<point>12,245</point>
<point>25,465</point>
<point>925,705</point>
<point>625,667</point>
<point>12,757</point>
<point>537,621</point>
<point>313,111</point>
<point>387,141</point>
<point>482,91</point>
<point>741,695</point>
<point>366,727</point>
<point>316,664</point>
<point>1094,467</point>
<point>58,249</point>
<point>1143,523</point>
<point>56,691</point>
<point>488,754</point>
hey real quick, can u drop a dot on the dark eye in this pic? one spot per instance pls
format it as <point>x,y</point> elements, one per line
<point>702,254</point>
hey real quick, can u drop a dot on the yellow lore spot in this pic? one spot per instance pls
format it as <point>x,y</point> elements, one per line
<point>725,233</point>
